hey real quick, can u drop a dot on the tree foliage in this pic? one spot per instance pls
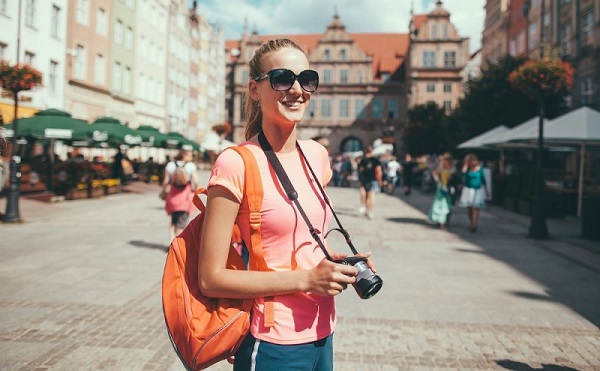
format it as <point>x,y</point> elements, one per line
<point>425,131</point>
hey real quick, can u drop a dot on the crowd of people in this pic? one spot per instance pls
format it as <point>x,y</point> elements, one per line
<point>453,184</point>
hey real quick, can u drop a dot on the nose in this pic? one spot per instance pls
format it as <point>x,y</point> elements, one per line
<point>296,88</point>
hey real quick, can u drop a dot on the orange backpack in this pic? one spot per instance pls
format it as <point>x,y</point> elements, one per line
<point>206,330</point>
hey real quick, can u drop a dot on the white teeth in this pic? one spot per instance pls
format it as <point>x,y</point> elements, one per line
<point>292,104</point>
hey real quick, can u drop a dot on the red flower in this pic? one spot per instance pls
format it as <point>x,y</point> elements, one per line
<point>545,76</point>
<point>18,77</point>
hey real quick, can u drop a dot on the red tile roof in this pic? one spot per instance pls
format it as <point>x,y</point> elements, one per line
<point>388,50</point>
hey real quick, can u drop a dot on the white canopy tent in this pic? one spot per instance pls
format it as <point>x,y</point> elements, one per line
<point>486,138</point>
<point>579,128</point>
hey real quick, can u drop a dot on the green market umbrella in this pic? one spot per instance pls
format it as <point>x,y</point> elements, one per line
<point>151,137</point>
<point>117,134</point>
<point>182,142</point>
<point>52,124</point>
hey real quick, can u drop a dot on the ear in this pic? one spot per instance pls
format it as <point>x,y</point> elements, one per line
<point>253,90</point>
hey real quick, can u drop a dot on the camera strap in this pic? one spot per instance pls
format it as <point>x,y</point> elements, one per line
<point>293,195</point>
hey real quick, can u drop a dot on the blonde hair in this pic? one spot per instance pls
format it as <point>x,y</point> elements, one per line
<point>252,110</point>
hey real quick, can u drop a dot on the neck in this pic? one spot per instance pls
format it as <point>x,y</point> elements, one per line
<point>283,140</point>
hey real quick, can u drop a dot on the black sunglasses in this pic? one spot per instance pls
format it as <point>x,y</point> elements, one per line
<point>283,79</point>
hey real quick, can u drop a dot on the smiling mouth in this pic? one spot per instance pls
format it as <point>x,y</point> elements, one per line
<point>292,104</point>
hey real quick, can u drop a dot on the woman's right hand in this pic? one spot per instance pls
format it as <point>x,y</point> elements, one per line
<point>329,278</point>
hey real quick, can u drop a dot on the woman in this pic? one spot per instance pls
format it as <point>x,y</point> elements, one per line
<point>474,189</point>
<point>302,283</point>
<point>178,198</point>
<point>442,202</point>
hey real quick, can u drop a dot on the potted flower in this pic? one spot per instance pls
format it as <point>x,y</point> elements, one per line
<point>542,77</point>
<point>18,77</point>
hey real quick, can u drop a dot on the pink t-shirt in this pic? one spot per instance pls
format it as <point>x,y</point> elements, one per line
<point>286,241</point>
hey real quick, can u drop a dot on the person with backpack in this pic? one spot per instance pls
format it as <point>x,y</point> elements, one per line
<point>293,315</point>
<point>179,184</point>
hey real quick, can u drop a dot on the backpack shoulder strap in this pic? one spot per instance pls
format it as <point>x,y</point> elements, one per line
<point>253,194</point>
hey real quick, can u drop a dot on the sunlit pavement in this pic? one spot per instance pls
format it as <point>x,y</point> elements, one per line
<point>81,289</point>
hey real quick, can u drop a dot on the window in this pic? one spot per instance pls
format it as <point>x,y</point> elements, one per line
<point>327,76</point>
<point>587,29</point>
<point>116,81</point>
<point>533,35</point>
<point>447,87</point>
<point>377,108</point>
<point>565,39</point>
<point>344,108</point>
<point>55,21</point>
<point>521,42</point>
<point>127,81</point>
<point>393,108</point>
<point>311,108</point>
<point>82,11</point>
<point>100,70</point>
<point>325,108</point>
<point>343,76</point>
<point>30,13</point>
<point>101,22</point>
<point>447,105</point>
<point>359,108</point>
<point>343,54</point>
<point>3,6</point>
<point>119,32</point>
<point>29,58</point>
<point>144,48</point>
<point>141,85</point>
<point>129,38</point>
<point>52,77</point>
<point>445,31</point>
<point>80,62</point>
<point>428,59</point>
<point>587,91</point>
<point>430,88</point>
<point>512,49</point>
<point>433,31</point>
<point>449,59</point>
<point>327,55</point>
<point>3,48</point>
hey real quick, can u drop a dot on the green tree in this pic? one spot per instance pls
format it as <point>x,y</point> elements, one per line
<point>425,131</point>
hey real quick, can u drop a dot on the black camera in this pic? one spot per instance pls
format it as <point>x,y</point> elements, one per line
<point>367,283</point>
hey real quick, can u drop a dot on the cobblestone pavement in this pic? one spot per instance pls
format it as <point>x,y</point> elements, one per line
<point>81,290</point>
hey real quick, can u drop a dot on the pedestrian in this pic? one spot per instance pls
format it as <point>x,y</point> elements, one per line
<point>391,170</point>
<point>178,198</point>
<point>302,283</point>
<point>370,179</point>
<point>441,207</point>
<point>474,189</point>
<point>408,168</point>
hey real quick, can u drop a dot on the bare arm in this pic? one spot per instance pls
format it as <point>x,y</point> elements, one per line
<point>216,281</point>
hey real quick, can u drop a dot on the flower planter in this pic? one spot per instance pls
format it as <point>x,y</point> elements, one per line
<point>76,194</point>
<point>111,190</point>
<point>95,192</point>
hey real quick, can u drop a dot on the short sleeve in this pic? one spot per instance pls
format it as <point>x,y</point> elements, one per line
<point>228,172</point>
<point>327,172</point>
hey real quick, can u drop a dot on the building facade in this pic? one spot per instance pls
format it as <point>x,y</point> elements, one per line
<point>42,36</point>
<point>362,89</point>
<point>88,49</point>
<point>566,29</point>
<point>494,42</point>
<point>207,79</point>
<point>437,55</point>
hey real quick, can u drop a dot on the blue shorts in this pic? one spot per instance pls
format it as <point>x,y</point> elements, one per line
<point>259,355</point>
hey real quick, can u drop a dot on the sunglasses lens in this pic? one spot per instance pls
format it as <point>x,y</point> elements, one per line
<point>282,79</point>
<point>309,80</point>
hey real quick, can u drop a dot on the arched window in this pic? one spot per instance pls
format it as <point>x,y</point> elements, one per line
<point>327,55</point>
<point>351,144</point>
<point>343,54</point>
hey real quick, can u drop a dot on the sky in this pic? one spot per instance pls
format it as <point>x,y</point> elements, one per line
<point>277,17</point>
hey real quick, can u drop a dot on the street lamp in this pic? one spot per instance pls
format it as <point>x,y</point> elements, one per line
<point>12,213</point>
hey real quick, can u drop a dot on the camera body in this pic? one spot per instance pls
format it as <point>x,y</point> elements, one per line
<point>367,283</point>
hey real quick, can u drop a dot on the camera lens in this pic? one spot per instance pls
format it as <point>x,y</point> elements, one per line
<point>367,283</point>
